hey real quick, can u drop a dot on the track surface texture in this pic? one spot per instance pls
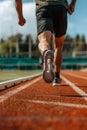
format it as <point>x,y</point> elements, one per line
<point>36,105</point>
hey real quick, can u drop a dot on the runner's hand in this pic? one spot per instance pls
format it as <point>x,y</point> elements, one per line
<point>22,21</point>
<point>71,8</point>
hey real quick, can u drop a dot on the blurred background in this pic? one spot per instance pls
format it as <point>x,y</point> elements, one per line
<point>19,55</point>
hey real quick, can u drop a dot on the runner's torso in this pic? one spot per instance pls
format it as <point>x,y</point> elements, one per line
<point>52,2</point>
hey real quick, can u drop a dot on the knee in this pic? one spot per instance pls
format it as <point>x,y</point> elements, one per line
<point>59,42</point>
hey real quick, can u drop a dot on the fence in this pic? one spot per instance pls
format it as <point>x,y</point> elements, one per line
<point>26,63</point>
<point>23,63</point>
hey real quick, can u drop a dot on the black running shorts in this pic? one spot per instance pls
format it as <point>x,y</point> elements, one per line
<point>52,18</point>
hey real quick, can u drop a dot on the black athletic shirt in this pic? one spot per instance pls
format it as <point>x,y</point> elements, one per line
<point>41,3</point>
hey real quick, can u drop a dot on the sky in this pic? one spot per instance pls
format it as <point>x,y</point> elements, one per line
<point>77,23</point>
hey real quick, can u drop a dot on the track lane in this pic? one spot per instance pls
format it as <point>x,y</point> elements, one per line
<point>22,111</point>
<point>63,93</point>
<point>80,80</point>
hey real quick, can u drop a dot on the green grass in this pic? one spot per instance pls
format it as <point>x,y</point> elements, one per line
<point>8,75</point>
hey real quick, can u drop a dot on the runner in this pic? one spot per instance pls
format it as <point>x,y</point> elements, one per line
<point>51,18</point>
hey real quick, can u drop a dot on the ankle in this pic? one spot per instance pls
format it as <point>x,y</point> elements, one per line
<point>57,74</point>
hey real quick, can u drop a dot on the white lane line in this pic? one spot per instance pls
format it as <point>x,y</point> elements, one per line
<point>75,88</point>
<point>75,75</point>
<point>55,103</point>
<point>13,92</point>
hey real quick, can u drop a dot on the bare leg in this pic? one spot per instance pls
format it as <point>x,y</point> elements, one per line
<point>58,59</point>
<point>58,53</point>
<point>44,41</point>
<point>44,45</point>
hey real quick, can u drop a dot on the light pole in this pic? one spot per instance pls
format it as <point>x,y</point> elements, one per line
<point>17,46</point>
<point>30,48</point>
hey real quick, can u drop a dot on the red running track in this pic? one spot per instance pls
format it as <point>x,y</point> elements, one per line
<point>36,105</point>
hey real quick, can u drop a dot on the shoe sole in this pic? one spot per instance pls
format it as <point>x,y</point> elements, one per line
<point>48,76</point>
<point>57,84</point>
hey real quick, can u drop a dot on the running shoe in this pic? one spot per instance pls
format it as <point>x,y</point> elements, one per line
<point>48,74</point>
<point>57,81</point>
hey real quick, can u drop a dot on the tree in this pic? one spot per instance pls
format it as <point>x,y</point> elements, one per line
<point>80,43</point>
<point>68,46</point>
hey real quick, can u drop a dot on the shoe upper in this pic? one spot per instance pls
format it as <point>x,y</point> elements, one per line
<point>57,81</point>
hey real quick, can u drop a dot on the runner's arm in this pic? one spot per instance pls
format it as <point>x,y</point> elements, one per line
<point>71,6</point>
<point>18,5</point>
